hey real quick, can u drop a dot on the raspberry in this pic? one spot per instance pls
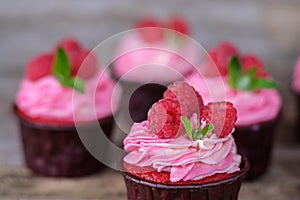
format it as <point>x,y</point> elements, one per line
<point>70,45</point>
<point>151,34</point>
<point>222,54</point>
<point>164,118</point>
<point>178,24</point>
<point>39,66</point>
<point>250,61</point>
<point>84,64</point>
<point>222,115</point>
<point>187,97</point>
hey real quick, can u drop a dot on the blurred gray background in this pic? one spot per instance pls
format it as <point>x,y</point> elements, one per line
<point>268,28</point>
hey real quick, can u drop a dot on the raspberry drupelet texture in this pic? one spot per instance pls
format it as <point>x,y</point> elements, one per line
<point>151,34</point>
<point>250,61</point>
<point>222,115</point>
<point>222,54</point>
<point>39,66</point>
<point>83,61</point>
<point>164,118</point>
<point>178,24</point>
<point>189,99</point>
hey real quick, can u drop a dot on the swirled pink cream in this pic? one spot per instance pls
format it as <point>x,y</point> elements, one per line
<point>46,98</point>
<point>296,77</point>
<point>161,61</point>
<point>183,158</point>
<point>252,107</point>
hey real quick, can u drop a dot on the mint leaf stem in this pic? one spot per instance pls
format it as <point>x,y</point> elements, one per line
<point>196,133</point>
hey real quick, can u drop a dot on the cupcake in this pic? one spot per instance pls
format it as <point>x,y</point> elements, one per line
<point>63,92</point>
<point>246,84</point>
<point>296,91</point>
<point>150,57</point>
<point>184,150</point>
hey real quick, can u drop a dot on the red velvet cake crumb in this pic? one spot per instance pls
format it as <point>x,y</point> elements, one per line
<point>150,174</point>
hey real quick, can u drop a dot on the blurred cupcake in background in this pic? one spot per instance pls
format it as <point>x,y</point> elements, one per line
<point>296,91</point>
<point>152,55</point>
<point>62,91</point>
<point>252,91</point>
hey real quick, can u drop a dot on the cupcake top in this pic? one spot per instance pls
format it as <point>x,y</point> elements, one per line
<point>296,77</point>
<point>64,86</point>
<point>183,140</point>
<point>156,52</point>
<point>244,82</point>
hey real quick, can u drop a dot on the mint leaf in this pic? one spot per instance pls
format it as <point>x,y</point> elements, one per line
<point>267,83</point>
<point>62,66</point>
<point>73,82</point>
<point>235,71</point>
<point>196,133</point>
<point>207,129</point>
<point>62,72</point>
<point>188,126</point>
<point>239,80</point>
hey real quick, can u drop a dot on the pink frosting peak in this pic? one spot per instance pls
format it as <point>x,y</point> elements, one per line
<point>296,77</point>
<point>164,60</point>
<point>252,107</point>
<point>46,98</point>
<point>185,159</point>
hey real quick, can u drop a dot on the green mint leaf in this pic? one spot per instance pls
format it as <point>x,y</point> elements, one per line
<point>235,71</point>
<point>247,81</point>
<point>188,126</point>
<point>77,84</point>
<point>207,129</point>
<point>196,133</point>
<point>62,66</point>
<point>266,83</point>
<point>62,71</point>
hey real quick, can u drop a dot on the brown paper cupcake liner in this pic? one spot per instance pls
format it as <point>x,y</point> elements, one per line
<point>57,151</point>
<point>226,189</point>
<point>256,143</point>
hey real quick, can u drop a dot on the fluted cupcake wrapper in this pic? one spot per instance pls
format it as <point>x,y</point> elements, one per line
<point>256,143</point>
<point>57,150</point>
<point>225,189</point>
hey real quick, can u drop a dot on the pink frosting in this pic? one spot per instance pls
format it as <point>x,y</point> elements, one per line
<point>46,98</point>
<point>183,158</point>
<point>155,62</point>
<point>296,77</point>
<point>252,107</point>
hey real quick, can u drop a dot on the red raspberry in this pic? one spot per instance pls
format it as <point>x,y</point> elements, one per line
<point>178,24</point>
<point>222,54</point>
<point>222,115</point>
<point>187,97</point>
<point>164,118</point>
<point>152,34</point>
<point>70,45</point>
<point>84,64</point>
<point>250,61</point>
<point>39,66</point>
